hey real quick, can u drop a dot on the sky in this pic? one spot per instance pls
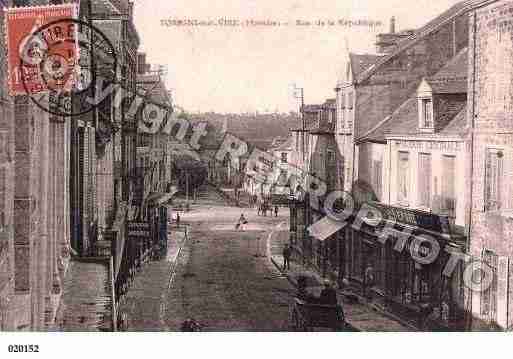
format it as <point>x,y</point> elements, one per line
<point>238,69</point>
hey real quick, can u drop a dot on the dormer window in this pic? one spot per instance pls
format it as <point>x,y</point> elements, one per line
<point>425,105</point>
<point>427,113</point>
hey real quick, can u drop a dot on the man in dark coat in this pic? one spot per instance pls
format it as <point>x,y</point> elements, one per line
<point>328,295</point>
<point>287,253</point>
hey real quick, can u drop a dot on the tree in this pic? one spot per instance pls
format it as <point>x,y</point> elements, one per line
<point>186,169</point>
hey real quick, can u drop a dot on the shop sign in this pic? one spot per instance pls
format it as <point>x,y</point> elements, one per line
<point>430,145</point>
<point>424,220</point>
<point>139,229</point>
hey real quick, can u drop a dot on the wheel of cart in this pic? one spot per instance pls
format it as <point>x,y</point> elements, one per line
<point>308,316</point>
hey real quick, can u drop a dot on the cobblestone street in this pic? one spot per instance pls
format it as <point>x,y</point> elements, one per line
<point>223,279</point>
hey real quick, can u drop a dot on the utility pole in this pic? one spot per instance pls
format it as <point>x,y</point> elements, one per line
<point>299,93</point>
<point>187,190</point>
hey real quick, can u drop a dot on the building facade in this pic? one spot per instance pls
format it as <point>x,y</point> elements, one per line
<point>35,207</point>
<point>489,179</point>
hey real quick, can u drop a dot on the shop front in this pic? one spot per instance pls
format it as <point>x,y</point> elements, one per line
<point>405,278</point>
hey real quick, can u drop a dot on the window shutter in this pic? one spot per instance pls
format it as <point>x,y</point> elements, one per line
<point>425,179</point>
<point>488,174</point>
<point>493,180</point>
<point>403,177</point>
<point>499,175</point>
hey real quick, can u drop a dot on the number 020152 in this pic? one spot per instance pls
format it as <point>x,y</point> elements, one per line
<point>23,348</point>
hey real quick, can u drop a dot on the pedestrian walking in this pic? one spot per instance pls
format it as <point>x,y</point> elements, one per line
<point>242,222</point>
<point>287,253</point>
<point>276,210</point>
<point>178,219</point>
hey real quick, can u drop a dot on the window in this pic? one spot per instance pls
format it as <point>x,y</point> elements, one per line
<point>377,178</point>
<point>341,110</point>
<point>448,185</point>
<point>489,295</point>
<point>425,180</point>
<point>403,178</point>
<point>427,113</point>
<point>493,175</point>
<point>350,100</point>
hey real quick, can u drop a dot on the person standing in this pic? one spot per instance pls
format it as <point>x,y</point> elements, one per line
<point>287,253</point>
<point>276,210</point>
<point>368,281</point>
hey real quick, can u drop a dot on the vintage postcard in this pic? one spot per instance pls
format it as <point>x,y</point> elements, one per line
<point>244,166</point>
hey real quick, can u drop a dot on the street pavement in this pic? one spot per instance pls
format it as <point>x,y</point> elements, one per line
<point>227,279</point>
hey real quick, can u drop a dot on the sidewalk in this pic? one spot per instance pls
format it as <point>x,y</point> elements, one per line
<point>86,302</point>
<point>361,317</point>
<point>144,304</point>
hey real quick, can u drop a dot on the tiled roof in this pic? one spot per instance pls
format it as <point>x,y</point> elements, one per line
<point>448,87</point>
<point>120,5</point>
<point>287,145</point>
<point>361,62</point>
<point>452,78</point>
<point>430,27</point>
<point>451,121</point>
<point>456,68</point>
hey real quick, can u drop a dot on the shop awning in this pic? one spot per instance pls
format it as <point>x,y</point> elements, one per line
<point>160,198</point>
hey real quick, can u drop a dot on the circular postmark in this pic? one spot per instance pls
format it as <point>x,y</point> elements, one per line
<point>67,67</point>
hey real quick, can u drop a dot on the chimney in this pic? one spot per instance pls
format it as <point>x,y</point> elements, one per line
<point>392,25</point>
<point>130,10</point>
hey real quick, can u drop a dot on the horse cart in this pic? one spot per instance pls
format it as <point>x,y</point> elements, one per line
<point>307,316</point>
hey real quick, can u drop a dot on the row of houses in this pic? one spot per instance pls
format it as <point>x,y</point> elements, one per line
<point>72,187</point>
<point>419,131</point>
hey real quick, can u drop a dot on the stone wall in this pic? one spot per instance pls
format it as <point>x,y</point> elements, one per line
<point>491,110</point>
<point>6,192</point>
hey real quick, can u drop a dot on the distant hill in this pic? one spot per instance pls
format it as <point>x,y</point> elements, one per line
<point>258,129</point>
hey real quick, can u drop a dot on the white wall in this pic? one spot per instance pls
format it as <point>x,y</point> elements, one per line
<point>453,148</point>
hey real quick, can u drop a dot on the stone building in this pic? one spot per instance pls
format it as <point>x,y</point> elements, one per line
<point>489,180</point>
<point>35,202</point>
<point>7,180</point>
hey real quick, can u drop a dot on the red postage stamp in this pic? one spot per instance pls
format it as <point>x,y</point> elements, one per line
<point>29,58</point>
